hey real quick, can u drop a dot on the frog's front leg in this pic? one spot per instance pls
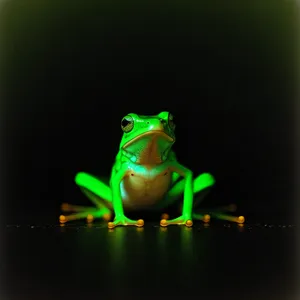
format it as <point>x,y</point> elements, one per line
<point>188,195</point>
<point>120,218</point>
<point>202,183</point>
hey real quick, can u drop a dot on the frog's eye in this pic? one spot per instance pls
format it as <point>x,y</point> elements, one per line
<point>171,121</point>
<point>127,124</point>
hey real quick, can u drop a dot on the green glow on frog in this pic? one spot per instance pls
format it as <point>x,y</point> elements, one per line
<point>145,175</point>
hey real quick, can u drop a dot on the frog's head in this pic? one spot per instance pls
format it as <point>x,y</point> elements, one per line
<point>148,139</point>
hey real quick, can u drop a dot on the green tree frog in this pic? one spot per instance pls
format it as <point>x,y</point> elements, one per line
<point>146,175</point>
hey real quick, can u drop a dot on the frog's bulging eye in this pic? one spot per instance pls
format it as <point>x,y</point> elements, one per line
<point>171,121</point>
<point>127,124</point>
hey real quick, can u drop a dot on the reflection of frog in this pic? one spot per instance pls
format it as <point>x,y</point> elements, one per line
<point>146,174</point>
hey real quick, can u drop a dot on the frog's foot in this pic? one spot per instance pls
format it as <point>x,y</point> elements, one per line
<point>202,217</point>
<point>125,222</point>
<point>89,214</point>
<point>220,216</point>
<point>178,221</point>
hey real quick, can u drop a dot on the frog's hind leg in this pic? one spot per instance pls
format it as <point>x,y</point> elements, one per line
<point>89,215</point>
<point>220,213</point>
<point>69,208</point>
<point>202,186</point>
<point>201,183</point>
<point>205,217</point>
<point>95,189</point>
<point>77,212</point>
<point>230,218</point>
<point>98,192</point>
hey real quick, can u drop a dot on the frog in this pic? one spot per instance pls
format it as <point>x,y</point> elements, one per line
<point>146,175</point>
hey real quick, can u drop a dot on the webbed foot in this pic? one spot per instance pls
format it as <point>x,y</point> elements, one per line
<point>125,222</point>
<point>81,212</point>
<point>219,213</point>
<point>220,216</point>
<point>178,221</point>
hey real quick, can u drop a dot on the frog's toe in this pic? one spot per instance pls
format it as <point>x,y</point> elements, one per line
<point>163,223</point>
<point>189,223</point>
<point>111,225</point>
<point>62,219</point>
<point>140,223</point>
<point>89,218</point>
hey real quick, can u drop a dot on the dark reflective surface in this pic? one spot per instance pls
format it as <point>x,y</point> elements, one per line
<point>219,261</point>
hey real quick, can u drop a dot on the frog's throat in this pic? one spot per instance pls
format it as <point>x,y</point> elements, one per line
<point>151,147</point>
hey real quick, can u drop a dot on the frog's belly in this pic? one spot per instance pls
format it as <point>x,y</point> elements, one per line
<point>141,191</point>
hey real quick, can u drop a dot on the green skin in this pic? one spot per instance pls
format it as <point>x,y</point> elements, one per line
<point>145,175</point>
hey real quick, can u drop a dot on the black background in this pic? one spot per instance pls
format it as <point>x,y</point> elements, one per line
<point>71,70</point>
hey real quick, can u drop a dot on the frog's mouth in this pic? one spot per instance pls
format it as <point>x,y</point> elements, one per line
<point>152,134</point>
<point>149,147</point>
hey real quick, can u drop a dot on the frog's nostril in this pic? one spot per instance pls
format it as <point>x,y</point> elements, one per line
<point>147,122</point>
